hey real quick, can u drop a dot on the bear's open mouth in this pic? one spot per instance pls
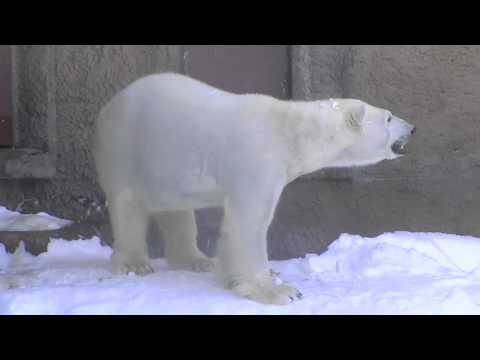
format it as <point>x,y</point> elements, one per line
<point>398,147</point>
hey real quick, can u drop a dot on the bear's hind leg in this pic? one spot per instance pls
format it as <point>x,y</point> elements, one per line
<point>179,231</point>
<point>129,220</point>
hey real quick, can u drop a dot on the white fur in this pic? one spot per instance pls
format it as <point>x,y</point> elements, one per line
<point>167,145</point>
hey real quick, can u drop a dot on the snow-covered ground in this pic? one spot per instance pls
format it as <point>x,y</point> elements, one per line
<point>395,273</point>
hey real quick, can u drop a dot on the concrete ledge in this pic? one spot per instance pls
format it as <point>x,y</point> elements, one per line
<point>36,242</point>
<point>26,164</point>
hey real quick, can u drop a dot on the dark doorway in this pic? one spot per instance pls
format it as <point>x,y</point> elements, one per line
<point>263,69</point>
<point>241,68</point>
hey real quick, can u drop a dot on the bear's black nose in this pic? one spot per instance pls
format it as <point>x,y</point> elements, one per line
<point>414,130</point>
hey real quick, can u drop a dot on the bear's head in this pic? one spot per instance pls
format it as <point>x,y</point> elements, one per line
<point>378,135</point>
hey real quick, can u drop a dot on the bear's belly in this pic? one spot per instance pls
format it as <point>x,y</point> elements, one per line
<point>163,201</point>
<point>166,189</point>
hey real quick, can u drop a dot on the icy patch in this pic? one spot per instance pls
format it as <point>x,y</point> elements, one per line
<point>15,221</point>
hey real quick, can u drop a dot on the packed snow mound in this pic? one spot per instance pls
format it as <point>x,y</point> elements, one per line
<point>399,253</point>
<point>15,221</point>
<point>394,273</point>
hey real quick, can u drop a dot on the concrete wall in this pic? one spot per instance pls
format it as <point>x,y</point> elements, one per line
<point>59,90</point>
<point>435,188</point>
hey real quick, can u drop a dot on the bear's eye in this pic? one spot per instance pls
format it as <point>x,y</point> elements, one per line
<point>389,119</point>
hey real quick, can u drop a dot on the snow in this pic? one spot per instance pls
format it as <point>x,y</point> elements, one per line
<point>335,104</point>
<point>14,221</point>
<point>394,273</point>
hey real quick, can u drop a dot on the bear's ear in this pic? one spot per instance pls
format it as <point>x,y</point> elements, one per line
<point>354,114</point>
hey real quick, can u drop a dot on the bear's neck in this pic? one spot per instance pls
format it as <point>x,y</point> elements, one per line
<point>311,136</point>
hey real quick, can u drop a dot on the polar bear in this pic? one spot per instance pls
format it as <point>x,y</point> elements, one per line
<point>168,144</point>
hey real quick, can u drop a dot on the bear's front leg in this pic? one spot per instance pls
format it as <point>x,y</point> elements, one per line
<point>243,258</point>
<point>129,223</point>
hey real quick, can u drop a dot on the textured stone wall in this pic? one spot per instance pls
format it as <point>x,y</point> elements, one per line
<point>435,188</point>
<point>59,90</point>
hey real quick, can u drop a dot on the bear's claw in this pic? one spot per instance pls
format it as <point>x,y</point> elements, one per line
<point>267,293</point>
